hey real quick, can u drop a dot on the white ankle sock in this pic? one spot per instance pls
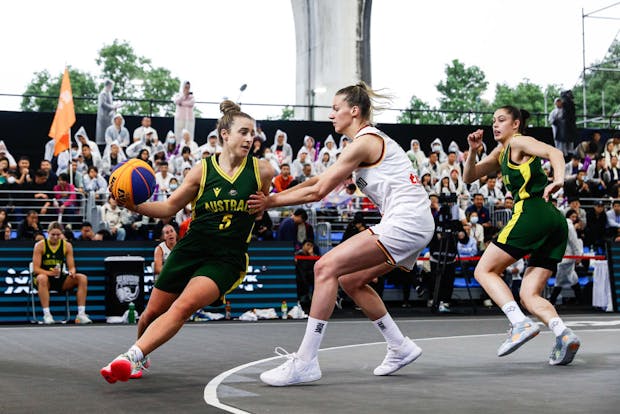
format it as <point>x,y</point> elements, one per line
<point>390,331</point>
<point>81,310</point>
<point>513,312</point>
<point>46,312</point>
<point>557,326</point>
<point>309,348</point>
<point>135,353</point>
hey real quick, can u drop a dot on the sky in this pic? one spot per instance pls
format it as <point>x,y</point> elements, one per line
<point>220,45</point>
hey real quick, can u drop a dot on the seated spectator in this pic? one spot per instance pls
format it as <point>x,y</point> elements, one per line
<point>41,190</point>
<point>81,138</point>
<point>577,187</point>
<point>432,167</point>
<point>49,258</point>
<point>86,232</point>
<point>573,167</point>
<point>4,152</point>
<point>24,172</point>
<point>172,148</point>
<point>595,227</point>
<point>450,164</point>
<point>598,177</point>
<point>295,229</point>
<point>162,178</point>
<point>484,218</point>
<point>65,197</point>
<point>112,156</point>
<point>491,193</point>
<point>323,163</point>
<point>181,162</point>
<point>141,132</point>
<point>112,216</point>
<point>476,231</point>
<point>613,221</point>
<point>78,178</point>
<point>329,146</point>
<point>281,149</point>
<point>309,146</point>
<point>117,132</point>
<point>4,217</point>
<point>94,182</point>
<point>437,147</point>
<point>188,142</point>
<point>466,245</point>
<point>575,204</point>
<point>304,273</point>
<point>503,215</point>
<point>298,165</point>
<point>306,173</point>
<point>263,227</point>
<point>416,156</point>
<point>5,231</point>
<point>65,158</point>
<point>614,176</point>
<point>89,158</point>
<point>283,180</point>
<point>258,147</point>
<point>163,249</point>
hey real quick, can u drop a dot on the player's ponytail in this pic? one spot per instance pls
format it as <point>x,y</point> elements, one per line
<point>365,98</point>
<point>522,115</point>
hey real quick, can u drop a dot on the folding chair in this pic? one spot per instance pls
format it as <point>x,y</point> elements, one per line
<point>34,297</point>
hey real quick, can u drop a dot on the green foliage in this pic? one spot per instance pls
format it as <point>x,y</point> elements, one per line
<point>144,89</point>
<point>135,78</point>
<point>461,91</point>
<point>288,113</point>
<point>419,112</point>
<point>47,87</point>
<point>529,96</point>
<point>602,86</point>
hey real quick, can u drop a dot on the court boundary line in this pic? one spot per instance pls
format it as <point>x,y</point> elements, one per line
<point>210,391</point>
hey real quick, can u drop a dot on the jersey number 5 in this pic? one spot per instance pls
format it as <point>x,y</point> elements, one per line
<point>226,221</point>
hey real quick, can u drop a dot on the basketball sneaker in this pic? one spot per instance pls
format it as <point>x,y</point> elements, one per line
<point>565,348</point>
<point>136,372</point>
<point>293,371</point>
<point>398,357</point>
<point>120,369</point>
<point>48,320</point>
<point>518,334</point>
<point>83,319</point>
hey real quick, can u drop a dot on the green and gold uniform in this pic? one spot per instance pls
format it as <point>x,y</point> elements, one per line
<point>51,258</point>
<point>536,226</point>
<point>216,243</point>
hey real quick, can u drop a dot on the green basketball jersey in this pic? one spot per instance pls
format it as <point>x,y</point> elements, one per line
<point>220,209</point>
<point>52,257</point>
<point>525,180</point>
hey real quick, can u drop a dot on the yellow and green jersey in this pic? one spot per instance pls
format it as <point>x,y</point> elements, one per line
<point>525,180</point>
<point>53,256</point>
<point>220,209</point>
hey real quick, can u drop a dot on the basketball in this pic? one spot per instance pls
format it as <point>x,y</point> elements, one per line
<point>132,182</point>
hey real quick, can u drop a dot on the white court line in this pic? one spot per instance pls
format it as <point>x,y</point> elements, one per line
<point>210,392</point>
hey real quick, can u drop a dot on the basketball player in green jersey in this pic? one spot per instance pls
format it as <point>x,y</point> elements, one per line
<point>211,259</point>
<point>49,256</point>
<point>536,228</point>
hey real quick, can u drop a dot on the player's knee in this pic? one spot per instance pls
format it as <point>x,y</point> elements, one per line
<point>183,309</point>
<point>82,279</point>
<point>42,281</point>
<point>323,269</point>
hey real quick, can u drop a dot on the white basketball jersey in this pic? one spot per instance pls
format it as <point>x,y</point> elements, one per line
<point>165,250</point>
<point>391,183</point>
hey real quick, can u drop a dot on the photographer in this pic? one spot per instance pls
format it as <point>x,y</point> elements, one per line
<point>443,250</point>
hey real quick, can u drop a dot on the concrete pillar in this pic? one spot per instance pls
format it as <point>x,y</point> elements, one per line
<point>333,51</point>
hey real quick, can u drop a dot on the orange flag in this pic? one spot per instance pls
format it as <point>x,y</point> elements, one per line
<point>64,117</point>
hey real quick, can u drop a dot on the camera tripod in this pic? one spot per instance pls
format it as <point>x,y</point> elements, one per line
<point>446,233</point>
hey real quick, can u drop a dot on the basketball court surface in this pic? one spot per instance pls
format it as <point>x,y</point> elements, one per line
<point>213,367</point>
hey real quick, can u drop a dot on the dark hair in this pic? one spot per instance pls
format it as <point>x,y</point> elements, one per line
<point>615,202</point>
<point>230,111</point>
<point>92,167</point>
<point>41,173</point>
<point>301,213</point>
<point>86,224</point>
<point>186,150</point>
<point>163,162</point>
<point>521,115</point>
<point>284,165</point>
<point>569,212</point>
<point>24,157</point>
<point>63,177</point>
<point>362,96</point>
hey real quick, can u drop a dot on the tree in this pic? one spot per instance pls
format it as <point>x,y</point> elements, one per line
<point>419,112</point>
<point>602,85</point>
<point>529,96</point>
<point>461,91</point>
<point>135,78</point>
<point>46,89</point>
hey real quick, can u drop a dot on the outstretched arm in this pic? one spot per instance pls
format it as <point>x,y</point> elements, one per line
<point>314,189</point>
